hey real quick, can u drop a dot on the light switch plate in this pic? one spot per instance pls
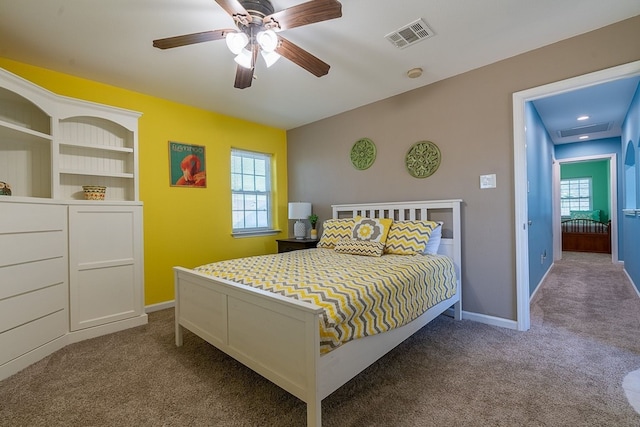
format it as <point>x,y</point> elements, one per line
<point>488,181</point>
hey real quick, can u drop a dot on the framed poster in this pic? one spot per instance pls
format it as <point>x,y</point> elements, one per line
<point>186,165</point>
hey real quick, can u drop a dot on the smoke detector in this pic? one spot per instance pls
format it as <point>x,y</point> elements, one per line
<point>414,73</point>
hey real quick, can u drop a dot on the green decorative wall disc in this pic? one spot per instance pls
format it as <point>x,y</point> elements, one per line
<point>423,159</point>
<point>363,154</point>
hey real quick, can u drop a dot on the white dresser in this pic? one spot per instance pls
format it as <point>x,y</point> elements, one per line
<point>34,284</point>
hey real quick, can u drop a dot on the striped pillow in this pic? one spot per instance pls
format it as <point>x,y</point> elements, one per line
<point>334,230</point>
<point>408,237</point>
<point>359,247</point>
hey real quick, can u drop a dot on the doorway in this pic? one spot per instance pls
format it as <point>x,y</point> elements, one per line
<point>520,171</point>
<point>613,201</point>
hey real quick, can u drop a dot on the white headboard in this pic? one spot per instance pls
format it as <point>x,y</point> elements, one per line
<point>451,240</point>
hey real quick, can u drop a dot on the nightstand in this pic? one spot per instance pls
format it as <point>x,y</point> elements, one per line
<point>288,245</point>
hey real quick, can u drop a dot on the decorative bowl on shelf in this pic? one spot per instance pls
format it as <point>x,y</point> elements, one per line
<point>5,189</point>
<point>94,192</point>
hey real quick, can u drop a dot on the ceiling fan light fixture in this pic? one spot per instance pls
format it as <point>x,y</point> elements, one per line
<point>270,58</point>
<point>244,59</point>
<point>268,40</point>
<point>236,42</point>
<point>256,23</point>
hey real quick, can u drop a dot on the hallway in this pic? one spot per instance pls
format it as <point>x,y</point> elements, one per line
<point>587,294</point>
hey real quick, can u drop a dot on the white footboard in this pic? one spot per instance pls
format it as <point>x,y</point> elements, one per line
<point>277,337</point>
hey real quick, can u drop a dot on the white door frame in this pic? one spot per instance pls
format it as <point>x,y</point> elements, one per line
<point>520,170</point>
<point>613,202</point>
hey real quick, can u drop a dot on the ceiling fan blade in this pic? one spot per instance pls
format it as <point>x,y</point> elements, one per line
<point>301,57</point>
<point>235,9</point>
<point>187,39</point>
<point>244,77</point>
<point>304,14</point>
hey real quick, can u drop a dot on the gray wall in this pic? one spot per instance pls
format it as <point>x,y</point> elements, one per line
<point>469,117</point>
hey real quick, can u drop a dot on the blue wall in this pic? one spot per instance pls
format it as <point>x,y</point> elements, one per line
<point>631,223</point>
<point>603,146</point>
<point>540,196</point>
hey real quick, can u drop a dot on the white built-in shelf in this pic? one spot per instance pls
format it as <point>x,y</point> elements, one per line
<point>51,145</point>
<point>17,132</point>
<point>97,147</point>
<point>94,173</point>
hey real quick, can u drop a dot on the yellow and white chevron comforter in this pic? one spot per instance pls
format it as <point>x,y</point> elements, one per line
<point>360,295</point>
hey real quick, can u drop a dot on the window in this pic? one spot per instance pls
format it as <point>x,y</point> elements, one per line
<point>250,191</point>
<point>575,195</point>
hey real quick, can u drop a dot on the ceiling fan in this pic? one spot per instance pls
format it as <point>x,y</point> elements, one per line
<point>257,27</point>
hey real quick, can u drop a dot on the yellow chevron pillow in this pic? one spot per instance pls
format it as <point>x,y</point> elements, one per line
<point>334,230</point>
<point>408,237</point>
<point>372,229</point>
<point>359,247</point>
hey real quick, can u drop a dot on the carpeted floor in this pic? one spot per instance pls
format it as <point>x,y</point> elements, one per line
<point>566,371</point>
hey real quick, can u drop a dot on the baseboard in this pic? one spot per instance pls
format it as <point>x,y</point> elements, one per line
<point>490,320</point>
<point>160,306</point>
<point>541,282</point>
<point>633,285</point>
<point>483,318</point>
<point>108,328</point>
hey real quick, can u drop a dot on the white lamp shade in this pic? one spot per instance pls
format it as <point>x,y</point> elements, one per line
<point>270,58</point>
<point>236,42</point>
<point>244,59</point>
<point>299,210</point>
<point>268,40</point>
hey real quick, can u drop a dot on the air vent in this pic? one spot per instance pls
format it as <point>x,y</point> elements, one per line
<point>410,34</point>
<point>581,130</point>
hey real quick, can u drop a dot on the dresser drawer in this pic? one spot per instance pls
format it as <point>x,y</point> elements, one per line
<point>28,277</point>
<point>24,308</point>
<point>20,248</point>
<point>29,217</point>
<point>21,340</point>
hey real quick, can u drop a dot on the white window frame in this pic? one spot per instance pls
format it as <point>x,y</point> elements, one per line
<point>575,201</point>
<point>263,211</point>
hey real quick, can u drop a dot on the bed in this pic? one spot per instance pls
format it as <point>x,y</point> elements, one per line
<point>280,338</point>
<point>586,235</point>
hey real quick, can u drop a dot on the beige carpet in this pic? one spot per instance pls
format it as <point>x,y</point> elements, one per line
<point>566,371</point>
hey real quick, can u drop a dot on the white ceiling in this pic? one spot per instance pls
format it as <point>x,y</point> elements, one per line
<point>110,41</point>
<point>605,106</point>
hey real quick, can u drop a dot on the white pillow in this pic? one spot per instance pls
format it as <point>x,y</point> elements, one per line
<point>434,240</point>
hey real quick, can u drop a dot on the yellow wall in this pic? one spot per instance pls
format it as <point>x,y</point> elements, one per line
<point>182,226</point>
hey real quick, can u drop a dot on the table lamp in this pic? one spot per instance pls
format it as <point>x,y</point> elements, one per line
<point>299,211</point>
